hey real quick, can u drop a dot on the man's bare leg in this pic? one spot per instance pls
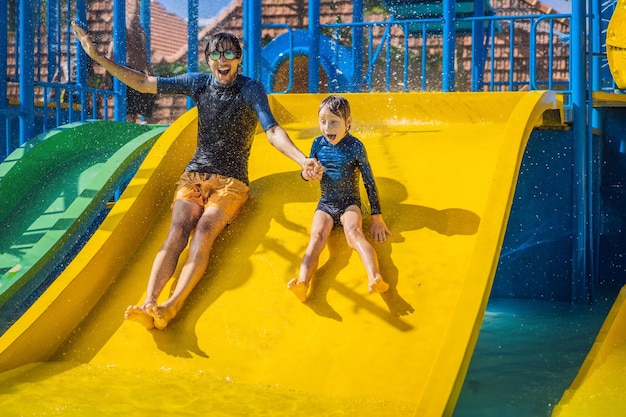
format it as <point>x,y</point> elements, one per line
<point>184,217</point>
<point>210,225</point>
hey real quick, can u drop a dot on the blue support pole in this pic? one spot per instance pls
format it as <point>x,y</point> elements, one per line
<point>245,30</point>
<point>252,38</point>
<point>192,41</point>
<point>314,47</point>
<point>478,46</point>
<point>580,191</point>
<point>192,36</point>
<point>595,115</point>
<point>4,40</point>
<point>145,23</point>
<point>449,45</point>
<point>27,70</point>
<point>357,48</point>
<point>54,40</point>
<point>119,56</point>
<point>81,56</point>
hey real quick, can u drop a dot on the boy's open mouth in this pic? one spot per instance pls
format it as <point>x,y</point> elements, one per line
<point>331,137</point>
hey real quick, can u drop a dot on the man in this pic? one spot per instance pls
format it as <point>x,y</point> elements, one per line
<point>214,186</point>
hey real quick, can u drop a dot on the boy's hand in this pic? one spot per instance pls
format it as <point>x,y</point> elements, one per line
<point>378,229</point>
<point>312,170</point>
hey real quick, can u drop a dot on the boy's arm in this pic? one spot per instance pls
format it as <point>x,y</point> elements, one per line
<point>368,177</point>
<point>378,229</point>
<point>134,79</point>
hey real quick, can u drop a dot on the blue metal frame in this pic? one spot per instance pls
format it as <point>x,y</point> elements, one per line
<point>119,55</point>
<point>482,23</point>
<point>581,216</point>
<point>27,70</point>
<point>586,76</point>
<point>192,41</point>
<point>314,34</point>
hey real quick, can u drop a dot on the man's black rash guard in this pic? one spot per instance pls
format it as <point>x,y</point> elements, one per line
<point>342,163</point>
<point>227,117</point>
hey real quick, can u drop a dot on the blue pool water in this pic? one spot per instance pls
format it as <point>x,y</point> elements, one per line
<point>527,354</point>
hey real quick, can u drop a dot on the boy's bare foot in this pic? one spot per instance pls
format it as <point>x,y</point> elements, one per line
<point>378,285</point>
<point>299,288</point>
<point>161,315</point>
<point>140,315</point>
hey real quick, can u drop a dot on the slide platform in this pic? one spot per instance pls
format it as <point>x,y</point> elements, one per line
<point>446,166</point>
<point>52,190</point>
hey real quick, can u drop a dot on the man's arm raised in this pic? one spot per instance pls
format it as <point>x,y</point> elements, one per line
<point>134,79</point>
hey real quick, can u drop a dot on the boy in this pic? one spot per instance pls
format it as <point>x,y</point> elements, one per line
<point>343,156</point>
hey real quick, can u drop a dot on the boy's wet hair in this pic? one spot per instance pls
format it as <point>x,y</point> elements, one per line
<point>224,40</point>
<point>337,105</point>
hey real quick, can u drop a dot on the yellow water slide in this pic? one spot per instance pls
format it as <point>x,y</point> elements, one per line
<point>446,166</point>
<point>598,389</point>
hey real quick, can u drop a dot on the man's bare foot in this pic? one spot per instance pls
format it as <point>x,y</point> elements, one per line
<point>299,288</point>
<point>161,315</point>
<point>140,315</point>
<point>378,285</point>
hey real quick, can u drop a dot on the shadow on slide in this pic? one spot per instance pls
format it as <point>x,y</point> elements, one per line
<point>53,191</point>
<point>446,167</point>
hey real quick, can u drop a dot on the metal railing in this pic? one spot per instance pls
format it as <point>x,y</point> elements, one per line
<point>46,81</point>
<point>512,53</point>
<point>401,46</point>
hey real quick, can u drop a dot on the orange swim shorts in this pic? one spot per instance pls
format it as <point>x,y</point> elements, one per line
<point>212,190</point>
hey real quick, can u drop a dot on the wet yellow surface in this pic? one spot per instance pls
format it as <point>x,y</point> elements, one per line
<point>599,389</point>
<point>446,167</point>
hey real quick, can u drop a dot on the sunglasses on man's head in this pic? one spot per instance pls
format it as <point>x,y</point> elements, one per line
<point>228,54</point>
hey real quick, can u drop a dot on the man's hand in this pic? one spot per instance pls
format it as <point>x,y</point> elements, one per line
<point>85,40</point>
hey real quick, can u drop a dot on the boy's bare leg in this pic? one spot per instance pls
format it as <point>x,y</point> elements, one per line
<point>352,222</point>
<point>184,218</point>
<point>210,225</point>
<point>320,230</point>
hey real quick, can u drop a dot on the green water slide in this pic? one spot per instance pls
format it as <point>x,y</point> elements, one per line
<point>54,191</point>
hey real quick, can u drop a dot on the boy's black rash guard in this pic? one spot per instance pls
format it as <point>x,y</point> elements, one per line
<point>342,163</point>
<point>227,117</point>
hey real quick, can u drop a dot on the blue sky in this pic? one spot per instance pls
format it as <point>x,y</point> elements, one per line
<point>561,6</point>
<point>207,9</point>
